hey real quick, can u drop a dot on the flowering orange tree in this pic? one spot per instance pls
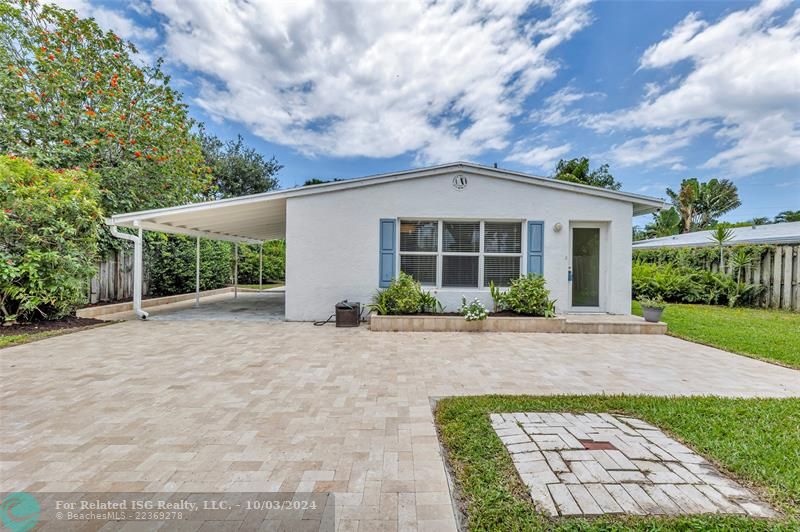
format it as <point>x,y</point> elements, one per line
<point>72,95</point>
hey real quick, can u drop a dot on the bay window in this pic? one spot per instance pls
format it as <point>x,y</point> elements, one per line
<point>461,254</point>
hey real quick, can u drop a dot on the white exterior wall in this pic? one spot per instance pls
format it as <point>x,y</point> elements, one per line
<point>332,239</point>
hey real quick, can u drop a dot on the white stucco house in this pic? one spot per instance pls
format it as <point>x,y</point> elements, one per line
<point>454,227</point>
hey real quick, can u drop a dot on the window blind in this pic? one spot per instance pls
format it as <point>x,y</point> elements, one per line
<point>460,271</point>
<point>419,235</point>
<point>500,270</point>
<point>421,267</point>
<point>461,237</point>
<point>502,237</point>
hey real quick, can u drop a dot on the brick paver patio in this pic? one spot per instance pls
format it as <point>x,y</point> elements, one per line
<point>590,464</point>
<point>223,406</point>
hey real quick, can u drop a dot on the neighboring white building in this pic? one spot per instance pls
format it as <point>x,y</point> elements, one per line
<point>454,227</point>
<point>782,233</point>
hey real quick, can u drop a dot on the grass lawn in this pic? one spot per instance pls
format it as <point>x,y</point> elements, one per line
<point>24,338</point>
<point>772,335</point>
<point>264,286</point>
<point>757,441</point>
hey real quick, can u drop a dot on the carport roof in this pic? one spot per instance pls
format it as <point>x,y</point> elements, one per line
<point>259,217</point>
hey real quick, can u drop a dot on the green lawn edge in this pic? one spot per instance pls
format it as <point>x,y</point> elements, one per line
<point>11,340</point>
<point>756,441</point>
<point>770,335</point>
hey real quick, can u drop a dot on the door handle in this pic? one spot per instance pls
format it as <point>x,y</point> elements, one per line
<point>569,275</point>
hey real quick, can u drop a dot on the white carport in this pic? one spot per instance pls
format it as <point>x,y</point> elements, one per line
<point>250,219</point>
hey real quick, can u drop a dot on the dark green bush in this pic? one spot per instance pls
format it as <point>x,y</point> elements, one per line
<point>170,264</point>
<point>49,227</point>
<point>527,296</point>
<point>404,296</point>
<point>700,258</point>
<point>274,262</point>
<point>680,284</point>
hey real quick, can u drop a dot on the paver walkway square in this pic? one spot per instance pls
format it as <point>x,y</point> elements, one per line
<point>619,465</point>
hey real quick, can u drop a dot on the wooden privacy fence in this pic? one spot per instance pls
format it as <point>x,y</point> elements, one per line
<point>778,270</point>
<point>114,278</point>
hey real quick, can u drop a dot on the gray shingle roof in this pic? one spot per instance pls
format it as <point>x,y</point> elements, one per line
<point>785,233</point>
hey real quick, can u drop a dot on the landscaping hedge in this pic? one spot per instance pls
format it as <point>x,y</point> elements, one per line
<point>170,262</point>
<point>274,262</point>
<point>49,228</point>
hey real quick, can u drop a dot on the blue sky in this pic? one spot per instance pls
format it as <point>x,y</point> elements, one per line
<point>658,90</point>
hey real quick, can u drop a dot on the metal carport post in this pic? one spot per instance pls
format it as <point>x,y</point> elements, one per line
<point>197,276</point>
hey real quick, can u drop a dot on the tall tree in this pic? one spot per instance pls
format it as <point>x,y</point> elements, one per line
<point>666,223</point>
<point>577,171</point>
<point>238,169</point>
<point>72,95</point>
<point>788,216</point>
<point>700,204</point>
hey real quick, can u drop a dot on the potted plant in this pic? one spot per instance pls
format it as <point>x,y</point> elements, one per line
<point>652,308</point>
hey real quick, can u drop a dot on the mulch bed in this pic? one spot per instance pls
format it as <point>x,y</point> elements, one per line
<point>70,322</point>
<point>501,314</point>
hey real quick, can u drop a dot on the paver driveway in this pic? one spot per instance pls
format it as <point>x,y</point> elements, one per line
<point>202,406</point>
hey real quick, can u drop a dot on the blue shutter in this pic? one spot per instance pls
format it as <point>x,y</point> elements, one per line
<point>387,252</point>
<point>536,247</point>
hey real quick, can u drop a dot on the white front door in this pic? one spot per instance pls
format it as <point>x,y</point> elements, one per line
<point>587,280</point>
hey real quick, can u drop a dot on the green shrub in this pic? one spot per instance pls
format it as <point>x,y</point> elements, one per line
<point>170,262</point>
<point>680,284</point>
<point>527,296</point>
<point>274,262</point>
<point>404,296</point>
<point>49,227</point>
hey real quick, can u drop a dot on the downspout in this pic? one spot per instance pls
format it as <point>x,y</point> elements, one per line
<point>137,268</point>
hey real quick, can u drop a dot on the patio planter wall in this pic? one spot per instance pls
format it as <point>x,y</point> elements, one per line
<point>561,324</point>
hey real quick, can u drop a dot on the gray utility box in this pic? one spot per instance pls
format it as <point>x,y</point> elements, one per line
<point>348,314</point>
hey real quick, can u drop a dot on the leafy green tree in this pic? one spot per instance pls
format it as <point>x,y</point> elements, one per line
<point>666,223</point>
<point>318,181</point>
<point>48,239</point>
<point>72,95</point>
<point>788,216</point>
<point>577,171</point>
<point>701,203</point>
<point>238,169</point>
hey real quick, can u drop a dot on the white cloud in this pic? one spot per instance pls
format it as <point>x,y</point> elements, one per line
<point>538,156</point>
<point>744,79</point>
<point>441,80</point>
<point>656,149</point>
<point>111,19</point>
<point>558,109</point>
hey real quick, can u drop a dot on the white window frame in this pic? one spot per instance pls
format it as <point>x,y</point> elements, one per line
<point>440,253</point>
<point>436,253</point>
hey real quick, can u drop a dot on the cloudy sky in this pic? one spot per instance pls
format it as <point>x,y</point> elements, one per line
<point>658,90</point>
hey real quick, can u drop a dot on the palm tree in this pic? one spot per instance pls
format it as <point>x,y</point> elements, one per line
<point>717,196</point>
<point>700,204</point>
<point>685,201</point>
<point>720,235</point>
<point>787,216</point>
<point>665,223</point>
